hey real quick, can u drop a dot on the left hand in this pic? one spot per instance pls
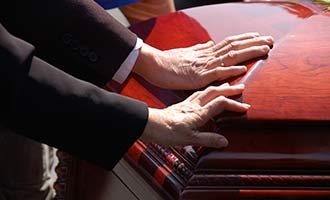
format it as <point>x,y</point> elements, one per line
<point>199,65</point>
<point>180,124</point>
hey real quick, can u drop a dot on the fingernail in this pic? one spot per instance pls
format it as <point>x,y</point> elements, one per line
<point>222,142</point>
<point>242,67</point>
<point>240,85</point>
<point>246,105</point>
<point>256,34</point>
<point>265,48</point>
<point>270,39</point>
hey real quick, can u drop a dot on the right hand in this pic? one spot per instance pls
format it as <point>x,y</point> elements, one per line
<point>179,124</point>
<point>194,67</point>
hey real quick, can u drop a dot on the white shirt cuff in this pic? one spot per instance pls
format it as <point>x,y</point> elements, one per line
<point>127,66</point>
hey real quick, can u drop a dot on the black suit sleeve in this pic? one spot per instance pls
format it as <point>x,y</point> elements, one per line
<point>45,104</point>
<point>77,36</point>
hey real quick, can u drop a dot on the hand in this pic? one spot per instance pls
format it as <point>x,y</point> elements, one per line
<point>197,66</point>
<point>179,123</point>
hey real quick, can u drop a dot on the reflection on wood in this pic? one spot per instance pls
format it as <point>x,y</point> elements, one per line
<point>294,81</point>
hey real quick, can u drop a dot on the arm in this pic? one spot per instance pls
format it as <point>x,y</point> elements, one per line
<point>45,104</point>
<point>79,37</point>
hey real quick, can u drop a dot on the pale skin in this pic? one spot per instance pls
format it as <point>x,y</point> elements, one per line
<point>192,68</point>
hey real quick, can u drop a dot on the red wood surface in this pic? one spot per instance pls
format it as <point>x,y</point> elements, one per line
<point>294,82</point>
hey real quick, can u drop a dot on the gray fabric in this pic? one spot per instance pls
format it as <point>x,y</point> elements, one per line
<point>27,168</point>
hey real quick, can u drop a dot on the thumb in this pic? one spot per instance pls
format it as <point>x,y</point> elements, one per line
<point>210,139</point>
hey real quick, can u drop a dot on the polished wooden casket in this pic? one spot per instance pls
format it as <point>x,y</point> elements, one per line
<point>279,149</point>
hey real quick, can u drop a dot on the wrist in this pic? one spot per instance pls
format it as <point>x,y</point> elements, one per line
<point>156,128</point>
<point>149,59</point>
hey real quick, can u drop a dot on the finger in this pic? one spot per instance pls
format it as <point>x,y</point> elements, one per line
<point>210,139</point>
<point>225,90</point>
<point>225,84</point>
<point>194,96</point>
<point>231,39</point>
<point>198,93</point>
<point>242,44</point>
<point>203,46</point>
<point>219,104</point>
<point>221,73</point>
<point>234,57</point>
<point>213,92</point>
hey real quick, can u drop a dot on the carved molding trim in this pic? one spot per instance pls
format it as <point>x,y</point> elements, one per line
<point>173,161</point>
<point>261,180</point>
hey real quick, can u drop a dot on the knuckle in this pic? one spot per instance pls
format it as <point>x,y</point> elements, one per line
<point>227,40</point>
<point>256,39</point>
<point>254,35</point>
<point>217,53</point>
<point>213,88</point>
<point>197,45</point>
<point>198,93</point>
<point>209,62</point>
<point>195,62</point>
<point>247,34</point>
<point>222,99</point>
<point>210,89</point>
<point>229,46</point>
<point>215,47</point>
<point>232,54</point>
<point>234,45</point>
<point>195,137</point>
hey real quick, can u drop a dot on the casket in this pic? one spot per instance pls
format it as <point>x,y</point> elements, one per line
<point>279,149</point>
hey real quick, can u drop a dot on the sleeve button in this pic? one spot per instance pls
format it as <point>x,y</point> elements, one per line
<point>84,51</point>
<point>75,44</point>
<point>92,57</point>
<point>67,38</point>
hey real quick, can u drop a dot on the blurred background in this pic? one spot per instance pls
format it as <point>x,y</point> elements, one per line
<point>182,4</point>
<point>131,14</point>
